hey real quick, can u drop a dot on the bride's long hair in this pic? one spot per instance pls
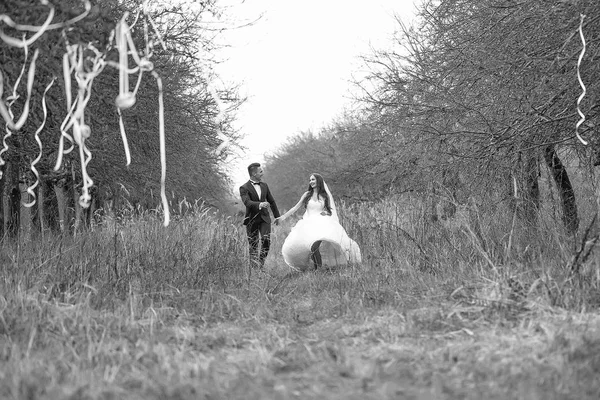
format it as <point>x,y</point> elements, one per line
<point>321,192</point>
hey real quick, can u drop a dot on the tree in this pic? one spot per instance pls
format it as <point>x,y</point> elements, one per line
<point>191,110</point>
<point>491,85</point>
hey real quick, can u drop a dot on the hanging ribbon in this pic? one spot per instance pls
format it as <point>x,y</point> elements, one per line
<point>31,189</point>
<point>582,95</point>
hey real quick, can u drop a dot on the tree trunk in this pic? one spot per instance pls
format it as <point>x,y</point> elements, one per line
<point>77,206</point>
<point>570,216</point>
<point>40,206</point>
<point>524,189</point>
<point>25,217</point>
<point>89,212</point>
<point>61,199</point>
<point>12,213</point>
<point>531,190</point>
<point>2,197</point>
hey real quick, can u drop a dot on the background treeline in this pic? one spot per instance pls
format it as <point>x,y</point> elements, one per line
<point>475,102</point>
<point>194,170</point>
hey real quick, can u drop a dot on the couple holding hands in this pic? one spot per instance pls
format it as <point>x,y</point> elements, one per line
<point>317,239</point>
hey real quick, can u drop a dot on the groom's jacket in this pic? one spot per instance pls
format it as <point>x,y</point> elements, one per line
<point>251,201</point>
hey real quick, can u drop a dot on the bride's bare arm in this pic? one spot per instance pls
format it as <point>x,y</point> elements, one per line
<point>293,209</point>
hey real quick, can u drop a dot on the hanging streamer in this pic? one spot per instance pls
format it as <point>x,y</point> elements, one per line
<point>31,189</point>
<point>40,30</point>
<point>43,28</point>
<point>9,118</point>
<point>69,62</point>
<point>582,95</point>
<point>6,111</point>
<point>163,153</point>
<point>10,124</point>
<point>82,131</point>
<point>124,138</point>
<point>127,99</point>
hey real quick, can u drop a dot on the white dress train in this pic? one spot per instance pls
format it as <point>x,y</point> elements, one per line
<point>337,249</point>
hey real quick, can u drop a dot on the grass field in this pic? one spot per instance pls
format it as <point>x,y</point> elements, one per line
<point>456,310</point>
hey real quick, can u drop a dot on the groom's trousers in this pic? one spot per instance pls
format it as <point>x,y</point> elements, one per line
<point>259,231</point>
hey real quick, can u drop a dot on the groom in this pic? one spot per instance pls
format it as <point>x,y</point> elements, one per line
<point>258,199</point>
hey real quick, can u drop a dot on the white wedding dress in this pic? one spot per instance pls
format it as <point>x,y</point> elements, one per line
<point>336,249</point>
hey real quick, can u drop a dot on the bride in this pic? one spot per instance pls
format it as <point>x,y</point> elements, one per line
<point>318,238</point>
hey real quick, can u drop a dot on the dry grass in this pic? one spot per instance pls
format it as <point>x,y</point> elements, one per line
<point>437,311</point>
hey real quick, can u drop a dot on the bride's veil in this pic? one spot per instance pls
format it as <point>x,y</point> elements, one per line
<point>331,203</point>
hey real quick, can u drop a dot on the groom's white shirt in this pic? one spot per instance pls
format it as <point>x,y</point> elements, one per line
<point>257,188</point>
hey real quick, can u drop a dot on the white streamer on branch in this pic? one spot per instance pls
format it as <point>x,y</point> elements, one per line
<point>31,189</point>
<point>39,30</point>
<point>163,153</point>
<point>582,95</point>
<point>32,28</point>
<point>127,99</point>
<point>10,124</point>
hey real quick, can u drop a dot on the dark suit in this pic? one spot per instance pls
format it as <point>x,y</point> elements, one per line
<point>258,222</point>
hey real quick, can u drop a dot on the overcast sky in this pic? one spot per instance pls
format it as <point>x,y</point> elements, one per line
<point>296,61</point>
